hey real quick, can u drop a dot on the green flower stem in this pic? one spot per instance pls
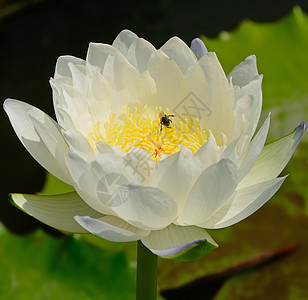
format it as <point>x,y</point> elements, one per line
<point>146,274</point>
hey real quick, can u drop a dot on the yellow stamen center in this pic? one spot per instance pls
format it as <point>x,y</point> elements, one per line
<point>149,134</point>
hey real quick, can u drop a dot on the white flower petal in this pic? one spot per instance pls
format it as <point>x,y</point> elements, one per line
<point>124,40</point>
<point>173,241</point>
<point>176,174</point>
<point>221,99</point>
<point>167,76</point>
<point>213,187</point>
<point>254,149</point>
<point>90,181</point>
<point>147,92</point>
<point>214,72</point>
<point>144,206</point>
<point>193,98</point>
<point>101,91</point>
<point>107,163</point>
<point>244,72</point>
<point>77,108</point>
<point>139,166</point>
<point>59,102</point>
<point>241,122</point>
<point>112,228</point>
<point>57,211</point>
<point>177,50</point>
<point>116,69</point>
<point>139,54</point>
<point>209,152</point>
<point>79,144</point>
<point>273,158</point>
<point>81,78</point>
<point>98,53</point>
<point>103,147</point>
<point>195,85</point>
<point>230,152</point>
<point>40,135</point>
<point>62,65</point>
<point>254,90</point>
<point>244,203</point>
<point>84,180</point>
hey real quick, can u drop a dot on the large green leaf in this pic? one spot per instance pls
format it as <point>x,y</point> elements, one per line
<point>38,266</point>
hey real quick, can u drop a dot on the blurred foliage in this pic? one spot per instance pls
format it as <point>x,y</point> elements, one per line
<point>38,266</point>
<point>8,8</point>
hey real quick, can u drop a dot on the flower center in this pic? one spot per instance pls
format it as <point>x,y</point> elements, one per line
<point>159,135</point>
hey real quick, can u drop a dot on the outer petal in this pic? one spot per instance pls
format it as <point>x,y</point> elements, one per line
<point>176,174</point>
<point>274,158</point>
<point>55,210</point>
<point>213,187</point>
<point>244,72</point>
<point>244,203</point>
<point>182,243</point>
<point>112,228</point>
<point>144,206</point>
<point>40,135</point>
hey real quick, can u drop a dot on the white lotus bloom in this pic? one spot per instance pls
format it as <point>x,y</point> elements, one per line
<point>158,144</point>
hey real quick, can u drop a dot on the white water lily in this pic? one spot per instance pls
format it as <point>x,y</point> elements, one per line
<point>138,176</point>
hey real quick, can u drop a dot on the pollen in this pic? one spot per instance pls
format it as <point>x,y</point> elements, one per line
<point>141,129</point>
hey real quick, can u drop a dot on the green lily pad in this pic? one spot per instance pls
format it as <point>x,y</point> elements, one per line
<point>38,266</point>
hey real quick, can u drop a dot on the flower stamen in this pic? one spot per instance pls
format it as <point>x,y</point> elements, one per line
<point>142,131</point>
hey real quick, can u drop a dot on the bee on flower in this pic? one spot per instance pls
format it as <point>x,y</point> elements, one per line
<point>165,120</point>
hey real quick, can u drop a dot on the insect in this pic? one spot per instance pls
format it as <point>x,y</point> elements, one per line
<point>165,120</point>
